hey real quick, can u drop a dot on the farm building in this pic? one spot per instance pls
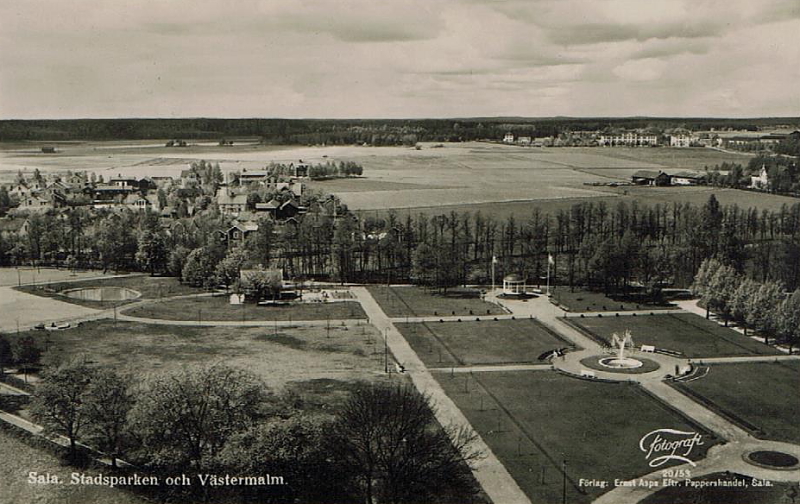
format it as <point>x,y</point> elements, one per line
<point>509,138</point>
<point>650,177</point>
<point>687,178</point>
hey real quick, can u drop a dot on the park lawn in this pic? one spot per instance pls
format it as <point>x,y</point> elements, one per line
<point>779,492</point>
<point>218,308</point>
<point>149,287</point>
<point>444,344</point>
<point>279,357</point>
<point>20,458</point>
<point>591,301</point>
<point>417,302</point>
<point>763,394</point>
<point>690,334</point>
<point>533,421</point>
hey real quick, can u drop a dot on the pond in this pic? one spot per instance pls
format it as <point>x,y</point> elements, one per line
<point>102,294</point>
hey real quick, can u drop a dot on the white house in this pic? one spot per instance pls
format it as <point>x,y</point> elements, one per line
<point>509,138</point>
<point>629,138</point>
<point>761,181</point>
<point>682,140</point>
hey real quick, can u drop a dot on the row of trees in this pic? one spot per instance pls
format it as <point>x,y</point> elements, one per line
<point>327,170</point>
<point>593,243</point>
<point>349,131</point>
<point>763,306</point>
<point>383,445</point>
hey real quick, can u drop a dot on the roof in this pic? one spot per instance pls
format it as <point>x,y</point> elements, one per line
<point>649,174</point>
<point>11,225</point>
<point>246,226</point>
<point>513,278</point>
<point>269,205</point>
<point>688,174</point>
<point>228,198</point>
<point>253,174</point>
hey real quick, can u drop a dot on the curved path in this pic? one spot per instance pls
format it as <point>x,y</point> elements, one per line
<point>721,458</point>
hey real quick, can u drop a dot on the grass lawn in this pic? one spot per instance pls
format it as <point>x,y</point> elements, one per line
<point>778,493</point>
<point>762,394</point>
<point>485,342</point>
<point>218,308</point>
<point>149,287</point>
<point>533,421</point>
<point>418,302</point>
<point>693,335</point>
<point>586,301</point>
<point>19,459</point>
<point>300,354</point>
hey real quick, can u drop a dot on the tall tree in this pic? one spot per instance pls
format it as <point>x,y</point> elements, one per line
<point>107,401</point>
<point>184,420</point>
<point>58,403</point>
<point>388,439</point>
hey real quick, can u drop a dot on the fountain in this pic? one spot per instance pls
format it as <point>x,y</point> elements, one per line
<point>620,361</point>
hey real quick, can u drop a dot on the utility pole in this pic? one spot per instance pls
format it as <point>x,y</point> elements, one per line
<point>564,482</point>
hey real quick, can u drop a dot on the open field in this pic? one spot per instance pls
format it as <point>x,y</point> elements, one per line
<point>291,354</point>
<point>149,287</point>
<point>779,492</point>
<point>523,208</point>
<point>20,458</point>
<point>27,275</point>
<point>418,302</point>
<point>485,342</point>
<point>395,177</point>
<point>586,301</point>
<point>690,334</point>
<point>764,395</point>
<point>534,421</point>
<point>218,308</point>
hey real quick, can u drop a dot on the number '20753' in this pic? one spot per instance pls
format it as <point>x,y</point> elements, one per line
<point>676,473</point>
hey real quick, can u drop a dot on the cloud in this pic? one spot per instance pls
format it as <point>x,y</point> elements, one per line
<point>359,58</point>
<point>672,47</point>
<point>641,70</point>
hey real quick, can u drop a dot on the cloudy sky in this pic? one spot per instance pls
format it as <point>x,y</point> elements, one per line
<point>400,58</point>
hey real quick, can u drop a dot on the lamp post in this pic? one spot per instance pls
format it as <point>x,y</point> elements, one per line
<point>564,482</point>
<point>386,350</point>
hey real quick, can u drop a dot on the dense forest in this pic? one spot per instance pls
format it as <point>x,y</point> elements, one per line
<point>350,131</point>
<point>608,247</point>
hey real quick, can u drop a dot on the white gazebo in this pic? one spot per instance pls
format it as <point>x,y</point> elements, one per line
<point>513,285</point>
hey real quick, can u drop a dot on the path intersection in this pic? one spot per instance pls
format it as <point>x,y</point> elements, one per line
<point>493,476</point>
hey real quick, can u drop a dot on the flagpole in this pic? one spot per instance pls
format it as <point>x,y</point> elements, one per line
<point>548,276</point>
<point>494,260</point>
<point>549,262</point>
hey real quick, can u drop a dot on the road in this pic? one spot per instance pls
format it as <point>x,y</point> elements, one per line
<point>489,471</point>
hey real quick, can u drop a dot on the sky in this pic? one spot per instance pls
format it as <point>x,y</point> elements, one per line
<point>399,58</point>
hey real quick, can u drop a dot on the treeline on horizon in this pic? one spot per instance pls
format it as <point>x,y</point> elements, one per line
<point>349,131</point>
